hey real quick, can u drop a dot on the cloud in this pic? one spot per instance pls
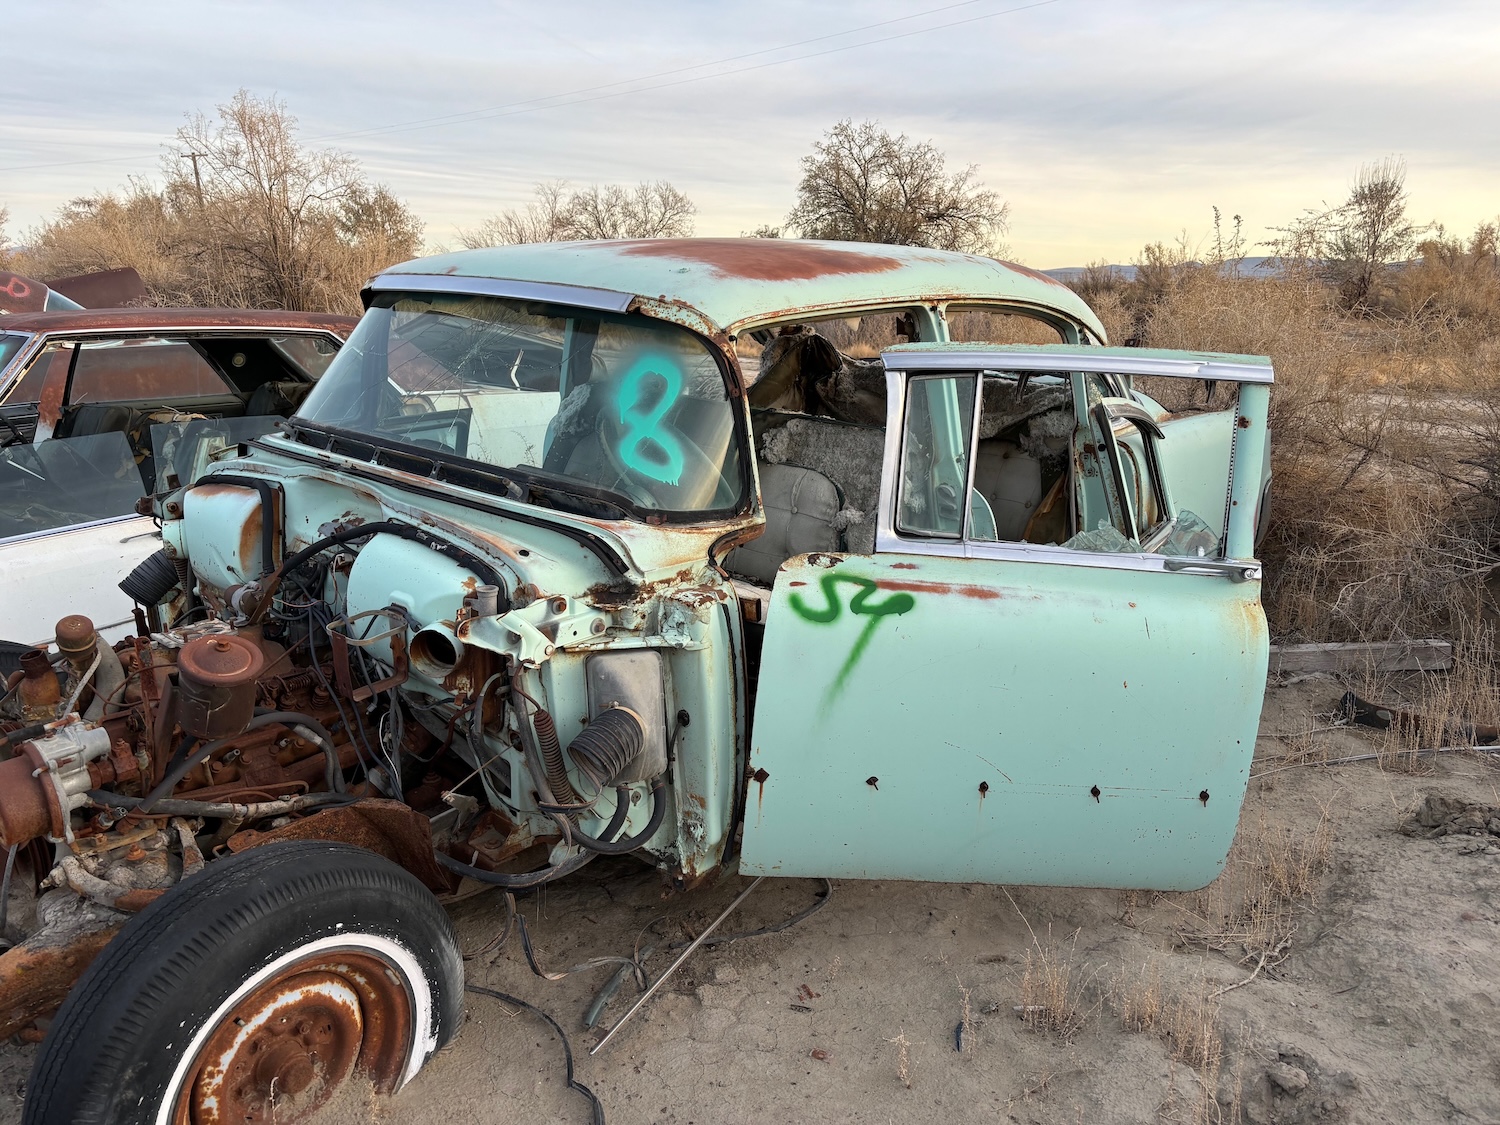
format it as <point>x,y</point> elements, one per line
<point>1105,123</point>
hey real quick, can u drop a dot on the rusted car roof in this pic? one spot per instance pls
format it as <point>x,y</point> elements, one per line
<point>138,319</point>
<point>737,282</point>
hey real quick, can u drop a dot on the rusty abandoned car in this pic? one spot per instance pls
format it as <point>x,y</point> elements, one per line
<point>99,408</point>
<point>791,558</point>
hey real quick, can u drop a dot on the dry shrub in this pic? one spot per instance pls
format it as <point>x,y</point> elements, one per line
<point>270,225</point>
<point>1187,1023</point>
<point>1054,988</point>
<point>1250,910</point>
<point>1383,511</point>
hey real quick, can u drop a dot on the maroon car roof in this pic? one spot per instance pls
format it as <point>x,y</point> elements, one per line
<point>145,319</point>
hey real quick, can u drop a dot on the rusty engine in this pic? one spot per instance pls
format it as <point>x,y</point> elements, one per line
<point>125,764</point>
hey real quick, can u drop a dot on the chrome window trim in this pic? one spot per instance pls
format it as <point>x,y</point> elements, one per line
<point>579,296</point>
<point>40,340</point>
<point>67,527</point>
<point>890,542</point>
<point>12,373</point>
<point>1112,364</point>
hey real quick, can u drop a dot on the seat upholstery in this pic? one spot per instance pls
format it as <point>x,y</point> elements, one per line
<point>801,506</point>
<point>277,397</point>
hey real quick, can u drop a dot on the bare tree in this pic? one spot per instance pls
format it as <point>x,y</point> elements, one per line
<point>1351,245</point>
<point>543,220</point>
<point>609,211</point>
<point>1373,230</point>
<point>862,184</point>
<point>267,211</point>
<point>246,216</point>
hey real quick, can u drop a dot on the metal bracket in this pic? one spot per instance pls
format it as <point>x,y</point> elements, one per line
<point>341,637</point>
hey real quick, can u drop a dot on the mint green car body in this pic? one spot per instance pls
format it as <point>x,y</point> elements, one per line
<point>952,705</point>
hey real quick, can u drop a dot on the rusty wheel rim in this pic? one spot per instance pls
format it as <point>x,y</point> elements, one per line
<point>287,1046</point>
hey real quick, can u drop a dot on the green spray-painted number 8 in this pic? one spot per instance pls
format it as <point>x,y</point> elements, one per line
<point>643,426</point>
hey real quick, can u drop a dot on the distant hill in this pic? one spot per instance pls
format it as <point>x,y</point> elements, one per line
<point>1254,267</point>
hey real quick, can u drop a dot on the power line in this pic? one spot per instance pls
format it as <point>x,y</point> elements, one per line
<point>533,105</point>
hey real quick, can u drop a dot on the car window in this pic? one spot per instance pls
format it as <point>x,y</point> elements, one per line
<point>29,388</point>
<point>66,481</point>
<point>935,455</point>
<point>577,403</point>
<point>142,370</point>
<point>1021,457</point>
<point>1005,473</point>
<point>310,354</point>
<point>977,324</point>
<point>186,447</point>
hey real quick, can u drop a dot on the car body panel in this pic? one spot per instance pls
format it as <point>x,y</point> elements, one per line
<point>78,567</point>
<point>993,721</point>
<point>1010,712</point>
<point>735,282</point>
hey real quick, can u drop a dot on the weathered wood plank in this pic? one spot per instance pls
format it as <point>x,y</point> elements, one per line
<point>1397,656</point>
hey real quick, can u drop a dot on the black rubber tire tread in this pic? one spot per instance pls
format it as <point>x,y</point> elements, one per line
<point>113,1046</point>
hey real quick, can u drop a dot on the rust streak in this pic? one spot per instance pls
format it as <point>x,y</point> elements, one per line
<point>978,593</point>
<point>762,259</point>
<point>1035,275</point>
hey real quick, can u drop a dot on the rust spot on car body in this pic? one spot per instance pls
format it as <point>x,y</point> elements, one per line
<point>34,979</point>
<point>962,590</point>
<point>184,319</point>
<point>763,259</point>
<point>250,533</point>
<point>1035,275</point>
<point>903,566</point>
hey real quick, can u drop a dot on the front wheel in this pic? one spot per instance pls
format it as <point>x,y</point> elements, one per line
<point>252,992</point>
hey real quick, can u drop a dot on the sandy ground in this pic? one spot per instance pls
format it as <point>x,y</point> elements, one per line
<point>1382,1010</point>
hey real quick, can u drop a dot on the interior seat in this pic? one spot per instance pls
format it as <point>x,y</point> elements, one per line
<point>278,396</point>
<point>801,508</point>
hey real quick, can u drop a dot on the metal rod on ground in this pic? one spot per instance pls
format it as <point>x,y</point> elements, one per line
<point>674,966</point>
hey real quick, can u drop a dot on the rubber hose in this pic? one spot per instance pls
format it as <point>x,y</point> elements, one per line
<point>152,581</point>
<point>611,741</point>
<point>630,843</point>
<point>404,531</point>
<point>333,774</point>
<point>552,759</point>
<point>208,750</point>
<point>533,878</point>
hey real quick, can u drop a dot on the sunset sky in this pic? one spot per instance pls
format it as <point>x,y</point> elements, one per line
<point>1104,123</point>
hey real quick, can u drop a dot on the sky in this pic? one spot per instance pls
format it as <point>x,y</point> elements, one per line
<point>1105,124</point>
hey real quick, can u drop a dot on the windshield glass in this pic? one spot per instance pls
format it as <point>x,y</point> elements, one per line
<point>626,406</point>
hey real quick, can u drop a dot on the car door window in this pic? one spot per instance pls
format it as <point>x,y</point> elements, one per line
<point>62,482</point>
<point>1011,452</point>
<point>935,445</point>
<point>143,370</point>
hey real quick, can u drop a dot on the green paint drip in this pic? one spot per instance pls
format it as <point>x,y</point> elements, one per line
<point>861,606</point>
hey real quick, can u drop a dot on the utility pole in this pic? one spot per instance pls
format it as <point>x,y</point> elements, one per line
<point>197,178</point>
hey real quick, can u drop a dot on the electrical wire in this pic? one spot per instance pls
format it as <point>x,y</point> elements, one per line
<point>637,967</point>
<point>596,1107</point>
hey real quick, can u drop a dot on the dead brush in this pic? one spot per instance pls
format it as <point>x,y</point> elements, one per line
<point>1187,1023</point>
<point>1250,910</point>
<point>1054,988</point>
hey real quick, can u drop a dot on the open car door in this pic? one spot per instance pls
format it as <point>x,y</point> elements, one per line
<point>1048,672</point>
